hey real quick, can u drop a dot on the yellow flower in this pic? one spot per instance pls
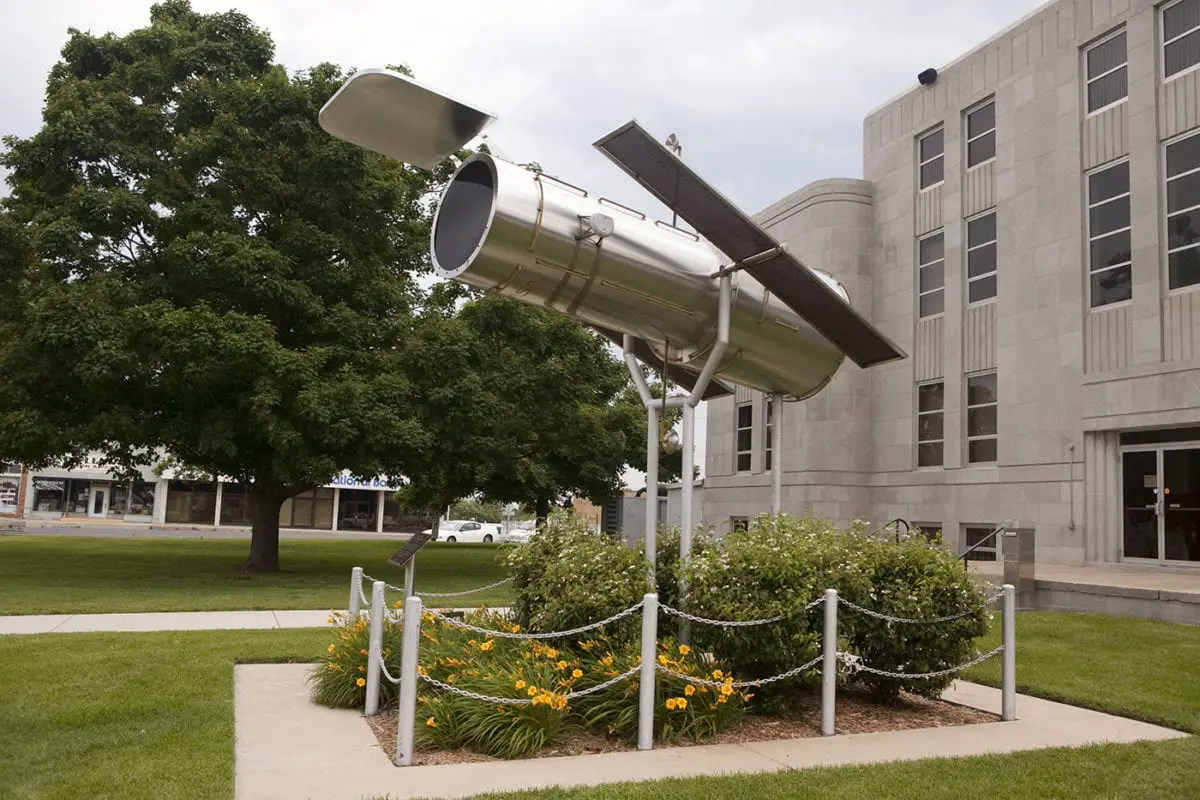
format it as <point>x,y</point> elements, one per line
<point>680,703</point>
<point>726,690</point>
<point>516,629</point>
<point>361,682</point>
<point>362,652</point>
<point>532,691</point>
<point>332,647</point>
<point>551,653</point>
<point>451,678</point>
<point>362,669</point>
<point>472,643</point>
<point>716,673</point>
<point>689,690</point>
<point>663,660</point>
<point>431,723</point>
<point>488,645</point>
<point>561,665</point>
<point>607,660</point>
<point>332,665</point>
<point>684,649</point>
<point>397,604</point>
<point>578,673</point>
<point>670,704</point>
<point>519,684</point>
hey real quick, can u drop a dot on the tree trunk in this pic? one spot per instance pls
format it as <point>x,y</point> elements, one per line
<point>543,510</point>
<point>265,503</point>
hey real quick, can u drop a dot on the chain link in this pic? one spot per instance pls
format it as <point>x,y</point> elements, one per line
<point>466,626</point>
<point>466,592</point>
<point>727,623</point>
<point>384,670</point>
<point>930,620</point>
<point>854,663</point>
<point>791,673</point>
<point>519,701</point>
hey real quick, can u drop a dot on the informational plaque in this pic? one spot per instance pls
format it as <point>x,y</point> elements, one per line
<point>405,554</point>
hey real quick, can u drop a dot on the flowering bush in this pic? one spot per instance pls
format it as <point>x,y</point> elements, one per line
<point>667,559</point>
<point>567,576</point>
<point>340,679</point>
<point>682,710</point>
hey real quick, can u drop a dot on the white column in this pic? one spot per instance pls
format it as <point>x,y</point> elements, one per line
<point>160,501</point>
<point>379,512</point>
<point>217,505</point>
<point>337,499</point>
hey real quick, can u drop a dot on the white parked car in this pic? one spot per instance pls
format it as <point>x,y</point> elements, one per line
<point>466,530</point>
<point>519,532</point>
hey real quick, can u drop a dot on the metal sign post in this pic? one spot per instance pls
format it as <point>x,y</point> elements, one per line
<point>407,557</point>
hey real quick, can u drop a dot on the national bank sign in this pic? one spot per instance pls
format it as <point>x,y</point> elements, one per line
<point>347,481</point>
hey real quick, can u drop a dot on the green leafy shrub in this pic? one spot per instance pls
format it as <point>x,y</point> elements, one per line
<point>339,680</point>
<point>682,709</point>
<point>567,576</point>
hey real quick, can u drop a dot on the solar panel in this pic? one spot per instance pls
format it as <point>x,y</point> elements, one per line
<point>676,373</point>
<point>678,187</point>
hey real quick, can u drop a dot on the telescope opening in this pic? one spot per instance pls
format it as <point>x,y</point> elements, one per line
<point>464,216</point>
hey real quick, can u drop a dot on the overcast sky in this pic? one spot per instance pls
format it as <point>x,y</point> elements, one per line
<point>764,95</point>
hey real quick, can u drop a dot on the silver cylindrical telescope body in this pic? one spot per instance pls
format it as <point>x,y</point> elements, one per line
<point>503,227</point>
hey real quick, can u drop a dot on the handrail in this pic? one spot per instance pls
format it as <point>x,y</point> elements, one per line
<point>963,555</point>
<point>889,523</point>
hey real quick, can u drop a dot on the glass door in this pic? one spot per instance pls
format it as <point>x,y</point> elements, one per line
<point>1139,479</point>
<point>1181,504</point>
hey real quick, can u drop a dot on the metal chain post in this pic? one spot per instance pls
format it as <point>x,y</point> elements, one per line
<point>375,648</point>
<point>410,570</point>
<point>829,663</point>
<point>409,644</point>
<point>1008,679</point>
<point>646,687</point>
<point>356,576</point>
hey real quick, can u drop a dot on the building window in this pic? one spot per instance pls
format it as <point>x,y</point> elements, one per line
<point>768,415</point>
<point>1110,263</point>
<point>739,524</point>
<point>930,163</point>
<point>1107,76</point>
<point>931,275</point>
<point>973,535</point>
<point>981,134</point>
<point>745,423</point>
<point>49,494</point>
<point>981,418</point>
<point>931,531</point>
<point>1183,212</point>
<point>1181,37</point>
<point>981,258</point>
<point>931,436</point>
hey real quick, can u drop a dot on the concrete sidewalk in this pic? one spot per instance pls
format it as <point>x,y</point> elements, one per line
<point>288,747</point>
<point>168,621</point>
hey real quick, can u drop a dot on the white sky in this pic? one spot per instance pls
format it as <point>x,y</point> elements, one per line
<point>764,95</point>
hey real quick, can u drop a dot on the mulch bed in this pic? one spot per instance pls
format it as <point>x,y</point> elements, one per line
<point>856,713</point>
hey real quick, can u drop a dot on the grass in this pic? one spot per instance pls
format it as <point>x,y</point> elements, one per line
<point>76,575</point>
<point>150,716</point>
<point>145,715</point>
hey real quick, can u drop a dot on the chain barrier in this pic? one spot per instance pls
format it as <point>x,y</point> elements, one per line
<point>466,592</point>
<point>466,626</point>
<point>854,664</point>
<point>791,673</point>
<point>524,701</point>
<point>384,671</point>
<point>727,623</point>
<point>930,620</point>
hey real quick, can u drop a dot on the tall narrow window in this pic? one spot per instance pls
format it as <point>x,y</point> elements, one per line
<point>1183,212</point>
<point>981,134</point>
<point>1107,75</point>
<point>931,437</point>
<point>1181,37</point>
<point>931,275</point>
<point>745,424</point>
<point>768,415</point>
<point>981,418</point>
<point>1110,262</point>
<point>930,158</point>
<point>981,258</point>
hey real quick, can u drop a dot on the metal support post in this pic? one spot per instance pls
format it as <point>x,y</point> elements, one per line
<point>829,664</point>
<point>409,573</point>
<point>776,454</point>
<point>686,522</point>
<point>651,485</point>
<point>375,648</point>
<point>355,590</point>
<point>409,643</point>
<point>1008,678</point>
<point>645,739</point>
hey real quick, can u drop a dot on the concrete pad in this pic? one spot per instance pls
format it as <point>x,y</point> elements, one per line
<point>32,623</point>
<point>287,747</point>
<point>301,619</point>
<point>173,621</point>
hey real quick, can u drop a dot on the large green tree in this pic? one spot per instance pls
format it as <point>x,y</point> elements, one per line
<point>190,264</point>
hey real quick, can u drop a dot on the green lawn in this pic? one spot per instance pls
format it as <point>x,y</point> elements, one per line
<point>62,575</point>
<point>150,716</point>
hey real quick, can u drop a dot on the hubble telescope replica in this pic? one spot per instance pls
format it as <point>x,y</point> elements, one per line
<point>726,305</point>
